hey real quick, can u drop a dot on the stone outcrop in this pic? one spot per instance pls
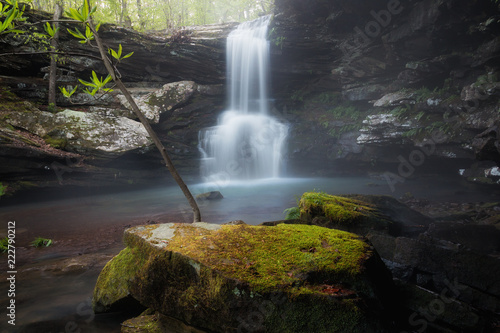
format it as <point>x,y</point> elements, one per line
<point>404,71</point>
<point>291,278</point>
<point>446,267</point>
<point>81,132</point>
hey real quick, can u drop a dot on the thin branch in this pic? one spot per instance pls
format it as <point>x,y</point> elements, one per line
<point>52,52</point>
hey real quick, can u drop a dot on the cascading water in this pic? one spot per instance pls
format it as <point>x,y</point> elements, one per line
<point>247,143</point>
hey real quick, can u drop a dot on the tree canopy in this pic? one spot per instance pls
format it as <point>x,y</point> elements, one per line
<point>167,14</point>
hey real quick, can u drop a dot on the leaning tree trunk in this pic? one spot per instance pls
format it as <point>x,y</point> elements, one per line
<point>149,129</point>
<point>53,58</point>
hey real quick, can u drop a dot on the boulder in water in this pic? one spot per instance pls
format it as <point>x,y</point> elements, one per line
<point>212,195</point>
<point>285,278</point>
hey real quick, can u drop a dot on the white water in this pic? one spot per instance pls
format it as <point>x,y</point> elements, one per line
<point>247,143</point>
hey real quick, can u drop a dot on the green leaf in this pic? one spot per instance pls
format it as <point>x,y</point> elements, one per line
<point>77,33</point>
<point>74,14</point>
<point>89,34</point>
<point>11,14</point>
<point>85,10</point>
<point>92,93</point>
<point>127,55</point>
<point>113,53</point>
<point>51,30</point>
<point>94,78</point>
<point>89,84</point>
<point>66,93</point>
<point>108,78</point>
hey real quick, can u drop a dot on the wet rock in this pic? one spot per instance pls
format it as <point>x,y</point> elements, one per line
<point>84,132</point>
<point>441,311</point>
<point>156,323</point>
<point>213,195</point>
<point>383,129</point>
<point>169,97</point>
<point>214,277</point>
<point>395,99</point>
<point>445,260</point>
<point>487,145</point>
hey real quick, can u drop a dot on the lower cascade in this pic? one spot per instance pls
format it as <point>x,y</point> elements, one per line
<point>247,143</point>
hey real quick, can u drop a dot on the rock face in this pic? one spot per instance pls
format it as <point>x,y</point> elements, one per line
<point>285,278</point>
<point>403,71</point>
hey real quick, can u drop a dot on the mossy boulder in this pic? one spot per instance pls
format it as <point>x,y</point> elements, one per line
<point>361,214</point>
<point>228,278</point>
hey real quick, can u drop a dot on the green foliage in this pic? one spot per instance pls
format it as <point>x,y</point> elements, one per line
<point>66,93</point>
<point>279,41</point>
<point>118,55</point>
<point>172,14</point>
<point>97,84</point>
<point>83,14</point>
<point>51,30</point>
<point>292,213</point>
<point>4,244</point>
<point>39,242</point>
<point>3,189</point>
<point>10,13</point>
<point>337,132</point>
<point>89,35</point>
<point>401,112</point>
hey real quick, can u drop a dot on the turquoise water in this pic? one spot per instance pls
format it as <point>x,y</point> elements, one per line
<point>93,222</point>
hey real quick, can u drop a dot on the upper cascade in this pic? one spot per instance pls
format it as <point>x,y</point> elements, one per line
<point>247,143</point>
<point>248,66</point>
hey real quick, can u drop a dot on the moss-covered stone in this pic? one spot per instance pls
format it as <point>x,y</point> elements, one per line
<point>112,287</point>
<point>285,278</point>
<point>361,214</point>
<point>341,213</point>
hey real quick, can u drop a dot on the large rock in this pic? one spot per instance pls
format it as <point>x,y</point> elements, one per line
<point>170,96</point>
<point>361,214</point>
<point>83,132</point>
<point>487,145</point>
<point>285,278</point>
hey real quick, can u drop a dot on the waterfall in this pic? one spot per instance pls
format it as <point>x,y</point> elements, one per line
<point>247,143</point>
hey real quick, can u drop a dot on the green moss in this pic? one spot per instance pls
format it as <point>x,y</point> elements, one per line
<point>337,209</point>
<point>112,284</point>
<point>59,143</point>
<point>270,258</point>
<point>3,189</point>
<point>143,324</point>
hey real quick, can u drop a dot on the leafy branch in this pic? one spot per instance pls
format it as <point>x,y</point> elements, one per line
<point>118,55</point>
<point>12,15</point>
<point>97,84</point>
